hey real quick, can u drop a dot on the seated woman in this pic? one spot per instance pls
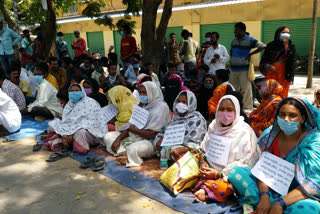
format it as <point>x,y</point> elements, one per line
<point>185,113</point>
<point>137,143</point>
<point>91,88</point>
<point>124,100</point>
<point>205,93</point>
<point>222,77</point>
<point>172,89</point>
<point>294,137</point>
<point>82,125</point>
<point>230,127</point>
<point>239,96</point>
<point>317,99</point>
<point>262,117</point>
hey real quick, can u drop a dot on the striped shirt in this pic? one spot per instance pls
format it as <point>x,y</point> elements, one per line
<point>240,49</point>
<point>15,93</point>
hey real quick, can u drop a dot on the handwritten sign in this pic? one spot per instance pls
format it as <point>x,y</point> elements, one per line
<point>174,135</point>
<point>110,111</point>
<point>218,150</point>
<point>275,172</point>
<point>139,117</point>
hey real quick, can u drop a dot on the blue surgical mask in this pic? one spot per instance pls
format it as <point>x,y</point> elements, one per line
<point>122,33</point>
<point>136,65</point>
<point>208,85</point>
<point>38,78</point>
<point>75,96</point>
<point>207,39</point>
<point>283,35</point>
<point>143,99</point>
<point>289,127</point>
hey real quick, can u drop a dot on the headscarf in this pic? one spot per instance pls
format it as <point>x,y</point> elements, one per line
<point>271,88</point>
<point>316,102</point>
<point>176,76</point>
<point>96,95</point>
<point>159,115</point>
<point>85,114</point>
<point>124,100</point>
<point>144,78</point>
<point>275,50</point>
<point>204,95</point>
<point>244,151</point>
<point>173,88</point>
<point>305,156</point>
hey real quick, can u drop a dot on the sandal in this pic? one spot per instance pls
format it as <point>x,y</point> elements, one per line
<point>87,163</point>
<point>37,147</point>
<point>57,156</point>
<point>99,163</point>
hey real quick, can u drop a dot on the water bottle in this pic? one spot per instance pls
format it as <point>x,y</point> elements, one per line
<point>163,158</point>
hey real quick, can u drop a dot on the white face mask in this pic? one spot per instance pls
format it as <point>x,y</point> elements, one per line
<point>181,108</point>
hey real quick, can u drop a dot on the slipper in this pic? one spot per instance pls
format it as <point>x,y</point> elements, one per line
<point>57,156</point>
<point>98,164</point>
<point>37,147</point>
<point>87,163</point>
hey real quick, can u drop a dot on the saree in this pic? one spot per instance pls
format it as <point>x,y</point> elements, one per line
<point>124,100</point>
<point>263,116</point>
<point>218,93</point>
<point>305,156</point>
<point>280,76</point>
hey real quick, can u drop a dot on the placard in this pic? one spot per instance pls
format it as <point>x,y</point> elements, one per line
<point>110,111</point>
<point>139,117</point>
<point>218,150</point>
<point>274,172</point>
<point>174,135</point>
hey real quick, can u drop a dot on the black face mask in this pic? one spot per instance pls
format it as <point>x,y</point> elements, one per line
<point>214,43</point>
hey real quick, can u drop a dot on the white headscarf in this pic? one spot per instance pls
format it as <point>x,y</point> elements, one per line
<point>244,151</point>
<point>159,113</point>
<point>85,114</point>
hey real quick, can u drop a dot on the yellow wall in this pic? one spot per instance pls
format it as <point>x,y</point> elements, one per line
<point>250,13</point>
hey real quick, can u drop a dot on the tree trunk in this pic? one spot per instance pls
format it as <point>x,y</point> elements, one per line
<point>312,43</point>
<point>50,30</point>
<point>6,15</point>
<point>152,39</point>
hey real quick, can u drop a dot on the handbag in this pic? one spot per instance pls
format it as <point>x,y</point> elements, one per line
<point>251,74</point>
<point>182,175</point>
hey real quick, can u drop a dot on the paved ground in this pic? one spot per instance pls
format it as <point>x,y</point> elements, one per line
<point>29,185</point>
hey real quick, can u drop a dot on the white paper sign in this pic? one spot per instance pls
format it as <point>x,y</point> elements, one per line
<point>174,135</point>
<point>275,172</point>
<point>139,117</point>
<point>110,111</point>
<point>218,150</point>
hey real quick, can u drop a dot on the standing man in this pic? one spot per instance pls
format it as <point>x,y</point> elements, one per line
<point>240,57</point>
<point>79,45</point>
<point>39,45</point>
<point>128,47</point>
<point>204,46</point>
<point>62,46</point>
<point>27,43</point>
<point>173,48</point>
<point>7,56</point>
<point>217,55</point>
<point>59,73</point>
<point>189,51</point>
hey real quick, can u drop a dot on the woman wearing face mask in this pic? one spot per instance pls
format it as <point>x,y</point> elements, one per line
<point>262,117</point>
<point>185,113</point>
<point>82,125</point>
<point>278,59</point>
<point>92,90</point>
<point>205,93</point>
<point>137,143</point>
<point>294,137</point>
<point>244,151</point>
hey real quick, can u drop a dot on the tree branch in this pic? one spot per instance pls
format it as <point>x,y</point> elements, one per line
<point>6,15</point>
<point>165,17</point>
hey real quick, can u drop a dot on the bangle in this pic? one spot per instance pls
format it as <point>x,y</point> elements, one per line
<point>282,203</point>
<point>201,157</point>
<point>263,193</point>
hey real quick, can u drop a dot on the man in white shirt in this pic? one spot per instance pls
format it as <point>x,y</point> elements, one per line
<point>217,55</point>
<point>10,117</point>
